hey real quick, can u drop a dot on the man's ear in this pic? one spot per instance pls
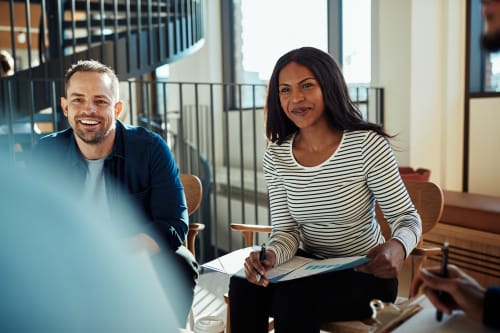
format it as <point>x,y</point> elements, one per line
<point>64,106</point>
<point>118,108</point>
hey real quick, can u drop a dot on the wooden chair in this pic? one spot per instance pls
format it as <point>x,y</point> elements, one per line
<point>194,193</point>
<point>428,200</point>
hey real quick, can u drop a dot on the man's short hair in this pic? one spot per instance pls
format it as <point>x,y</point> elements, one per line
<point>92,66</point>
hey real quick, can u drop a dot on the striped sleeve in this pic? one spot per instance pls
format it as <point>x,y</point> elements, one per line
<point>284,240</point>
<point>390,192</point>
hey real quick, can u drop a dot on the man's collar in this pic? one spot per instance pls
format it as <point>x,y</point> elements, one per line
<point>118,146</point>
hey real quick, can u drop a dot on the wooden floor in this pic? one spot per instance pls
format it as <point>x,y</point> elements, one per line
<point>209,295</point>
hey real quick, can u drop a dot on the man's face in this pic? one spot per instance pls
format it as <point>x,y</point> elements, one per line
<point>491,15</point>
<point>91,107</point>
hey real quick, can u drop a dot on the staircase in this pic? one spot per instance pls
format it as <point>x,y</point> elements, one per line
<point>132,36</point>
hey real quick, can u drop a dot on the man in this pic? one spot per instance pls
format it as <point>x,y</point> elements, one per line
<point>109,158</point>
<point>491,35</point>
<point>478,303</point>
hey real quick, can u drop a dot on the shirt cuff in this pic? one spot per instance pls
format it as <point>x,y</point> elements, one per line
<point>407,239</point>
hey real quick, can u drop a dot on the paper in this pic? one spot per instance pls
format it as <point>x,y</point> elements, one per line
<point>297,267</point>
<point>313,267</point>
<point>425,322</point>
<point>230,263</point>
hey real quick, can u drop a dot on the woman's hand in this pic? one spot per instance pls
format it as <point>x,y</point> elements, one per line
<point>255,271</point>
<point>386,260</point>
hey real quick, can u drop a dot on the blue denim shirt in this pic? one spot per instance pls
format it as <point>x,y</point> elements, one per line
<point>142,166</point>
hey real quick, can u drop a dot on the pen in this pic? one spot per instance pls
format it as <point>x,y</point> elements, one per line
<point>262,256</point>
<point>444,273</point>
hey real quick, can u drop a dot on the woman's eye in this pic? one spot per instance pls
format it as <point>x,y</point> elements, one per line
<point>284,91</point>
<point>307,85</point>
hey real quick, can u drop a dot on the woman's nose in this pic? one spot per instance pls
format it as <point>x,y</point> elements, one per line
<point>297,96</point>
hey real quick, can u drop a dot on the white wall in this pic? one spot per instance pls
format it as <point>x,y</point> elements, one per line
<point>484,166</point>
<point>391,68</point>
<point>420,62</point>
<point>206,64</point>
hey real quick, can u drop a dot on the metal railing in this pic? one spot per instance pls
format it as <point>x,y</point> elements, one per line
<point>223,145</point>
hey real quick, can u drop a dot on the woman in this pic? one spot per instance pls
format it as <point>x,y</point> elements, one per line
<point>325,168</point>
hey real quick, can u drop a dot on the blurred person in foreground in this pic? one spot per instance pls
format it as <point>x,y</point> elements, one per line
<point>479,303</point>
<point>107,158</point>
<point>65,271</point>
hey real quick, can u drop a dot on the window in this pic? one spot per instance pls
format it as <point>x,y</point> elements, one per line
<point>260,31</point>
<point>267,34</point>
<point>356,41</point>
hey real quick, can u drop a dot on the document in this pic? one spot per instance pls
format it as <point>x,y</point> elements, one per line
<point>295,268</point>
<point>425,322</point>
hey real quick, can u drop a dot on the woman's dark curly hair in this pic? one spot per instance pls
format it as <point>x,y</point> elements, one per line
<point>340,111</point>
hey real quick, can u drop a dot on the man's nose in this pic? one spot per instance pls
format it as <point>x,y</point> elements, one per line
<point>91,107</point>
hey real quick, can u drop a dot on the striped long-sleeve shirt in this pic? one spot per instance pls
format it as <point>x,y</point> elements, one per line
<point>329,209</point>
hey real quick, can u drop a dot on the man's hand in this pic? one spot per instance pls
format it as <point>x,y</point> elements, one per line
<point>466,293</point>
<point>145,242</point>
<point>386,260</point>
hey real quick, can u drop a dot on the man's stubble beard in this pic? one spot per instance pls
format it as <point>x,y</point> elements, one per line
<point>95,139</point>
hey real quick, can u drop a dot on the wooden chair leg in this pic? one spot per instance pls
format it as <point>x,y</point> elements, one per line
<point>228,320</point>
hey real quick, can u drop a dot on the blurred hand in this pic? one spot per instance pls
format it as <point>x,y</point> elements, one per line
<point>255,271</point>
<point>141,242</point>
<point>466,294</point>
<point>386,260</point>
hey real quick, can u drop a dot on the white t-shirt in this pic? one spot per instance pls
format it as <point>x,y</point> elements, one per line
<point>95,187</point>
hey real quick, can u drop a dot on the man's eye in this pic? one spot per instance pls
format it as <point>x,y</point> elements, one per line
<point>76,100</point>
<point>102,102</point>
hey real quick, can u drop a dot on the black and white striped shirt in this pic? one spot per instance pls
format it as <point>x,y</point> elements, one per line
<point>329,209</point>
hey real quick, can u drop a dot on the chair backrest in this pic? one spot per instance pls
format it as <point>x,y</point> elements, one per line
<point>428,200</point>
<point>193,191</point>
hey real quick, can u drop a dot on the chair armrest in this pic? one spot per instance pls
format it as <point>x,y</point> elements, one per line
<point>426,250</point>
<point>249,230</point>
<point>194,228</point>
<point>251,227</point>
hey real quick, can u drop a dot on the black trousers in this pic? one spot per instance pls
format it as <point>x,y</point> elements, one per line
<point>301,305</point>
<point>178,274</point>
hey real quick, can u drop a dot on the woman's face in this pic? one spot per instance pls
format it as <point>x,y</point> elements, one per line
<point>300,96</point>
